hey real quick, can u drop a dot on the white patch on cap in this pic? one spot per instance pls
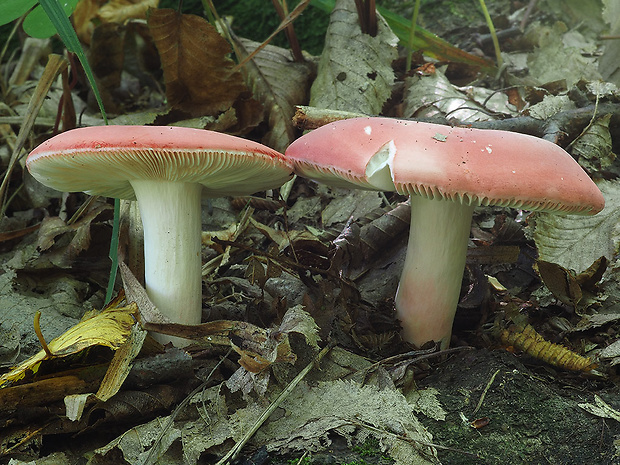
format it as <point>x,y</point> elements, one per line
<point>489,149</point>
<point>368,130</point>
<point>379,169</point>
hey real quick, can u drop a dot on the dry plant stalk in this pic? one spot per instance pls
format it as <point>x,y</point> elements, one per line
<point>530,342</point>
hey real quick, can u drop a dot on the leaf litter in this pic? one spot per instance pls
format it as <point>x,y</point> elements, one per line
<point>328,245</point>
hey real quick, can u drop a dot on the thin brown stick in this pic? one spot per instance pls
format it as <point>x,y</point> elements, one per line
<point>274,405</point>
<point>282,10</point>
<point>484,393</point>
<point>55,65</point>
<point>285,22</point>
<point>410,440</point>
<point>37,330</point>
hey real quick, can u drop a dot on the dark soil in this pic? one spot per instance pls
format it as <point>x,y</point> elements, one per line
<point>534,415</point>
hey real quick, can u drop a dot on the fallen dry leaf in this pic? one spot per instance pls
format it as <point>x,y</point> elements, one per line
<point>200,77</point>
<point>109,328</point>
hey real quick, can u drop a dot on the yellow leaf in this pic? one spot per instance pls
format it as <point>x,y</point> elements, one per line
<point>110,328</point>
<point>119,11</point>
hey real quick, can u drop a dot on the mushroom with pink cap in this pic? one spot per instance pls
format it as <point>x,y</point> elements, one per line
<point>447,171</point>
<point>167,169</point>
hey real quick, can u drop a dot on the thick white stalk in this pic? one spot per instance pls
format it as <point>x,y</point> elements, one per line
<point>430,284</point>
<point>171,217</point>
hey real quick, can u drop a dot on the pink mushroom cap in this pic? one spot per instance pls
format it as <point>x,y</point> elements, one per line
<point>101,160</point>
<point>447,171</point>
<point>167,169</point>
<point>471,166</point>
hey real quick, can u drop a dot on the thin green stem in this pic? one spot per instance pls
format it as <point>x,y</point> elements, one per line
<point>487,17</point>
<point>414,22</point>
<point>54,10</point>
<point>113,252</point>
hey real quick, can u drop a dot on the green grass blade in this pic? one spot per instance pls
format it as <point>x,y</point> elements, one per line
<point>113,251</point>
<point>423,40</point>
<point>66,32</point>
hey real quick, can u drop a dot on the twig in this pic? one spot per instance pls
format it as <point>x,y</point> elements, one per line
<point>589,125</point>
<point>150,456</point>
<point>410,440</point>
<point>568,121</point>
<point>312,117</point>
<point>55,65</point>
<point>37,330</point>
<point>419,355</point>
<point>283,25</point>
<point>274,405</point>
<point>484,393</point>
<point>282,11</point>
<point>528,12</point>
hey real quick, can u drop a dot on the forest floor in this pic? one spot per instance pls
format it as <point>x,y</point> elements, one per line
<point>300,359</point>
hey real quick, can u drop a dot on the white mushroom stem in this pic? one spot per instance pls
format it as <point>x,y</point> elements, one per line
<point>430,284</point>
<point>171,217</point>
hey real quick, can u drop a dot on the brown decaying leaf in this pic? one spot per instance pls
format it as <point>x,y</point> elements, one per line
<point>107,55</point>
<point>84,12</point>
<point>565,285</point>
<point>252,342</point>
<point>127,406</point>
<point>384,230</point>
<point>561,282</point>
<point>588,278</point>
<point>255,271</point>
<point>53,227</point>
<point>67,116</point>
<point>278,83</point>
<point>480,422</point>
<point>124,61</point>
<point>198,73</point>
<point>258,347</point>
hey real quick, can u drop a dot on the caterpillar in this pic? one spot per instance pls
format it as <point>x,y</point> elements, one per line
<point>530,342</point>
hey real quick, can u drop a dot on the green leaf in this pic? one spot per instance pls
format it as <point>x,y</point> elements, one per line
<point>58,12</point>
<point>10,10</point>
<point>38,24</point>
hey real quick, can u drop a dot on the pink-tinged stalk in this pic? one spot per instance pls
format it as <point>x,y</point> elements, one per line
<point>171,217</point>
<point>430,284</point>
<point>431,161</point>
